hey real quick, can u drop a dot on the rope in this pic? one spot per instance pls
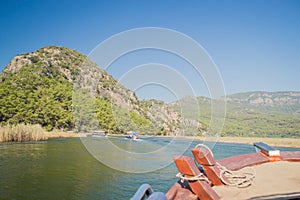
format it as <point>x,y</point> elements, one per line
<point>199,177</point>
<point>206,147</point>
<point>236,178</point>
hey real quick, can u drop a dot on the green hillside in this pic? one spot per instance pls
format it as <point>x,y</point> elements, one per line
<point>59,88</point>
<point>261,114</point>
<point>36,95</point>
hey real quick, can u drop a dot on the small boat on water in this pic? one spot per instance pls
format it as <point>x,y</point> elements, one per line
<point>132,135</point>
<point>99,133</point>
<point>266,174</point>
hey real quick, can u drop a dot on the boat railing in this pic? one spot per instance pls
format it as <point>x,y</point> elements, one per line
<point>145,192</point>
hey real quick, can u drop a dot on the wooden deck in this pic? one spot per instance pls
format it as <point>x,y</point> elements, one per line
<point>273,180</point>
<point>277,175</point>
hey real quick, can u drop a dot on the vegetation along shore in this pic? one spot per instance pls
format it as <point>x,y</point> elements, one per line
<point>29,133</point>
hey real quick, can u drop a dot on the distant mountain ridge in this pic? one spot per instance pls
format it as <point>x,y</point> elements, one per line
<point>263,114</point>
<point>285,102</point>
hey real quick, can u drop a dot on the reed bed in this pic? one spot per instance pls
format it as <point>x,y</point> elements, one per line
<point>22,133</point>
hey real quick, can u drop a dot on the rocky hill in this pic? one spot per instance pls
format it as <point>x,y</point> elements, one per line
<point>40,87</point>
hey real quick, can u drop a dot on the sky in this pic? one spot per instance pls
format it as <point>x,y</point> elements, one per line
<point>254,44</point>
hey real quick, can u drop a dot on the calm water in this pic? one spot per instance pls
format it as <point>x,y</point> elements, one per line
<point>64,169</point>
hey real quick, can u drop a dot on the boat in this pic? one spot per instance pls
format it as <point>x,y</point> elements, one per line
<point>99,133</point>
<point>266,174</point>
<point>132,135</point>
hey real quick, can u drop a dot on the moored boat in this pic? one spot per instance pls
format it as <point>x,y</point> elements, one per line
<point>99,134</point>
<point>266,174</point>
<point>132,135</point>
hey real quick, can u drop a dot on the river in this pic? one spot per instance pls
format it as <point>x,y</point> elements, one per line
<point>64,168</point>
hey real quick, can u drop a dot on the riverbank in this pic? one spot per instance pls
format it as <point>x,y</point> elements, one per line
<point>29,133</point>
<point>280,142</point>
<point>23,133</point>
<point>60,134</point>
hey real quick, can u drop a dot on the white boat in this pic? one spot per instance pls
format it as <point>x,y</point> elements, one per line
<point>99,134</point>
<point>132,135</point>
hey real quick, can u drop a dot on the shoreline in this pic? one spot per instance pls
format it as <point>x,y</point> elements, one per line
<point>279,142</point>
<point>60,134</point>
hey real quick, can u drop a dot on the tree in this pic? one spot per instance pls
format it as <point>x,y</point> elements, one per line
<point>84,111</point>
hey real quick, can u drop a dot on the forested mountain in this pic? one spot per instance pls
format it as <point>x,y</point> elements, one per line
<point>40,88</point>
<point>264,114</point>
<point>59,88</point>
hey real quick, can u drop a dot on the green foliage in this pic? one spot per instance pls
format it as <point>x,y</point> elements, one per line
<point>245,119</point>
<point>84,111</point>
<point>42,93</point>
<point>118,120</point>
<point>138,120</point>
<point>36,95</point>
<point>34,59</point>
<point>104,110</point>
<point>262,125</point>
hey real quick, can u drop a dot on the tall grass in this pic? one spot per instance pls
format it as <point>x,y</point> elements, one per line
<point>22,133</point>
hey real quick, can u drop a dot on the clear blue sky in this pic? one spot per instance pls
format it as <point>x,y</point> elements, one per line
<point>255,44</point>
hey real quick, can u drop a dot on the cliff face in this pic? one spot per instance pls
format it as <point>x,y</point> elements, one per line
<point>61,64</point>
<point>78,70</point>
